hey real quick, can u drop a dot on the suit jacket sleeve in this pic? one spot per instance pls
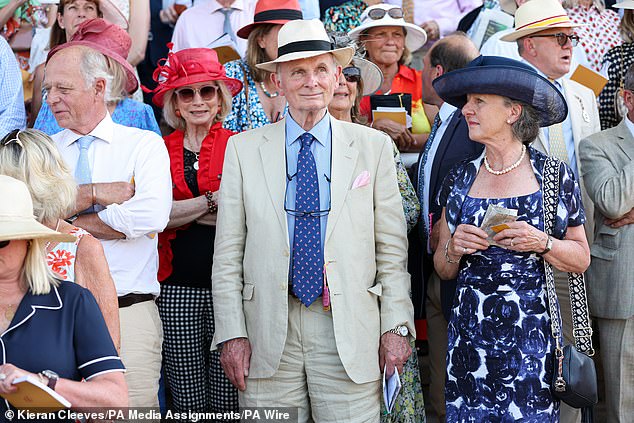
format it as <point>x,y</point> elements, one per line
<point>227,273</point>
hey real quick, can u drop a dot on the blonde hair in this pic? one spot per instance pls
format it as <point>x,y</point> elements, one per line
<point>39,278</point>
<point>256,54</point>
<point>36,161</point>
<point>626,26</point>
<point>117,91</point>
<point>177,122</point>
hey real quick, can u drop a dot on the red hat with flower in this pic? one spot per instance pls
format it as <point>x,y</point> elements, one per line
<point>108,39</point>
<point>190,66</point>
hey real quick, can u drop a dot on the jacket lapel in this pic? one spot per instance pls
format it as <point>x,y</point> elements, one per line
<point>273,156</point>
<point>344,161</point>
<point>440,153</point>
<point>625,139</point>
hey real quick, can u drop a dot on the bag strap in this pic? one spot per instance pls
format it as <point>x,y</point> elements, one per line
<point>582,332</point>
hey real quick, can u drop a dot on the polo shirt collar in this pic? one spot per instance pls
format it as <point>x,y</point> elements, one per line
<point>31,303</point>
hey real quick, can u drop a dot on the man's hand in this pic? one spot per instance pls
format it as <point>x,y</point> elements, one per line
<point>394,350</point>
<point>432,30</point>
<point>626,219</point>
<point>235,359</point>
<point>399,133</point>
<point>113,193</point>
<point>168,15</point>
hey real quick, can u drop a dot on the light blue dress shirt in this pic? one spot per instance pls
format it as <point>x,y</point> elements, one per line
<point>322,152</point>
<point>12,113</point>
<point>566,126</point>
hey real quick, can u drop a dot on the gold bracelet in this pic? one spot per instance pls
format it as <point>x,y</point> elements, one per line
<point>94,194</point>
<point>447,258</point>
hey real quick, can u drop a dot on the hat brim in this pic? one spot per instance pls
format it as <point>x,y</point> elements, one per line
<point>234,86</point>
<point>507,81</point>
<point>132,82</point>
<point>25,229</point>
<point>516,35</point>
<point>416,36</point>
<point>342,55</point>
<point>370,74</point>
<point>246,30</point>
<point>624,5</point>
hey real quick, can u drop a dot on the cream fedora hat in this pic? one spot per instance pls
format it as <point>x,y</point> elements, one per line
<point>539,15</point>
<point>301,39</point>
<point>627,4</point>
<point>16,215</point>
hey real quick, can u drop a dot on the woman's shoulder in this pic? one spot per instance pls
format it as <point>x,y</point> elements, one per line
<point>235,68</point>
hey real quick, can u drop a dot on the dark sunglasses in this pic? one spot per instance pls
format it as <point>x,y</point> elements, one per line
<point>4,244</point>
<point>562,38</point>
<point>352,74</point>
<point>394,13</point>
<point>208,92</point>
<point>13,136</point>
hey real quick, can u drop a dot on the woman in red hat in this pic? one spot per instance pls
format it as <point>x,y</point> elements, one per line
<point>196,96</point>
<point>259,103</point>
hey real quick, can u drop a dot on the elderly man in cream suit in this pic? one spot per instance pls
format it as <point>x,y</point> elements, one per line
<point>608,171</point>
<point>545,38</point>
<point>319,349</point>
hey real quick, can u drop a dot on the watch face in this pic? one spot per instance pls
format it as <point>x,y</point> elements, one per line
<point>50,374</point>
<point>403,331</point>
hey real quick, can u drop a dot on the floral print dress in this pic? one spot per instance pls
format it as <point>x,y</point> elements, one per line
<point>61,259</point>
<point>500,347</point>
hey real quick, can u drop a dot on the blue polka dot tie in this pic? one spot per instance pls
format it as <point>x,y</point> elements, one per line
<point>83,174</point>
<point>307,253</point>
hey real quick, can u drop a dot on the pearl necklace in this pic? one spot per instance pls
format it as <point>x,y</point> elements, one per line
<point>266,93</point>
<point>487,166</point>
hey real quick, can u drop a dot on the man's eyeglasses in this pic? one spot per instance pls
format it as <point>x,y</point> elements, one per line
<point>208,92</point>
<point>352,74</point>
<point>394,13</point>
<point>301,213</point>
<point>562,38</point>
<point>4,244</point>
<point>13,136</point>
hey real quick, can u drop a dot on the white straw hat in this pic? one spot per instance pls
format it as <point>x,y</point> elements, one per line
<point>16,215</point>
<point>301,39</point>
<point>371,75</point>
<point>416,36</point>
<point>539,15</point>
<point>627,4</point>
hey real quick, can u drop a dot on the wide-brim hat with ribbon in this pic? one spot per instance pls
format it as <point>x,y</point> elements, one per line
<point>628,4</point>
<point>276,12</point>
<point>190,66</point>
<point>505,77</point>
<point>108,39</point>
<point>415,37</point>
<point>538,15</point>
<point>302,39</point>
<point>16,215</point>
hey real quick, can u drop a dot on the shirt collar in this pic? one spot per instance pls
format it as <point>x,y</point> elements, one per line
<point>446,110</point>
<point>556,82</point>
<point>214,6</point>
<point>103,131</point>
<point>629,124</point>
<point>319,131</point>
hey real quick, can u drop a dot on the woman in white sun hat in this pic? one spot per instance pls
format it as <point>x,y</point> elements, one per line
<point>388,42</point>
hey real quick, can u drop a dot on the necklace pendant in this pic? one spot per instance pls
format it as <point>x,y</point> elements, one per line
<point>196,165</point>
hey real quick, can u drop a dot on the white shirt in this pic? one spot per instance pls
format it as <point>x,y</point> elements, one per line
<point>630,125</point>
<point>202,24</point>
<point>121,153</point>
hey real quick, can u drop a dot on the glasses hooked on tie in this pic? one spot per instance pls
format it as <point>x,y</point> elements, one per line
<point>305,213</point>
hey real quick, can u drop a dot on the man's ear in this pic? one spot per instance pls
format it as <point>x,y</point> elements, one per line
<point>278,84</point>
<point>100,87</point>
<point>438,71</point>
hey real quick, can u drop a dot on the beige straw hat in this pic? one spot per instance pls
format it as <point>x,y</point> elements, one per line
<point>627,4</point>
<point>16,215</point>
<point>301,39</point>
<point>539,15</point>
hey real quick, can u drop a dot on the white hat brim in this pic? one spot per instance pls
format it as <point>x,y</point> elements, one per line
<point>342,55</point>
<point>516,35</point>
<point>416,36</point>
<point>25,229</point>
<point>628,4</point>
<point>371,75</point>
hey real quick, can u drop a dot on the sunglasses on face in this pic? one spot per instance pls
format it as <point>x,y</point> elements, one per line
<point>13,136</point>
<point>208,92</point>
<point>4,244</point>
<point>394,13</point>
<point>562,38</point>
<point>352,74</point>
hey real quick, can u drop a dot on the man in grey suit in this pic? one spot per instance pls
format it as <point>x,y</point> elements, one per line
<point>608,171</point>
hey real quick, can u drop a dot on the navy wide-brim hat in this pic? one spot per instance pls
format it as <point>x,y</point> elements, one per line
<point>505,77</point>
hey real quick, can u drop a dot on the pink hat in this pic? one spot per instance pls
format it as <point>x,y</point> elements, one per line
<point>190,66</point>
<point>108,39</point>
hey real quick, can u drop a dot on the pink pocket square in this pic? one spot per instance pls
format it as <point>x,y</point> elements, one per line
<point>362,180</point>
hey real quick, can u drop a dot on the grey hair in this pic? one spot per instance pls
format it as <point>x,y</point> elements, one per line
<point>526,127</point>
<point>94,65</point>
<point>628,79</point>
<point>39,278</point>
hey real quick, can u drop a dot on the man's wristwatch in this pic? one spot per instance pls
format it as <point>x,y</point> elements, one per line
<point>52,378</point>
<point>549,246</point>
<point>400,330</point>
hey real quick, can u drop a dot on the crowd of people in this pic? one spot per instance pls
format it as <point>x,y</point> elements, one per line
<point>252,207</point>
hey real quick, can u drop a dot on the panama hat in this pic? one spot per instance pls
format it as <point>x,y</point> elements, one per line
<point>627,4</point>
<point>272,12</point>
<point>415,37</point>
<point>190,66</point>
<point>505,77</point>
<point>108,39</point>
<point>538,15</point>
<point>301,39</point>
<point>16,215</point>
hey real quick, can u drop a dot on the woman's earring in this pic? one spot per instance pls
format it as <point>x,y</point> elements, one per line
<point>177,113</point>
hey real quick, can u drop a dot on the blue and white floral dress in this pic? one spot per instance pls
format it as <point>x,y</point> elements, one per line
<point>500,347</point>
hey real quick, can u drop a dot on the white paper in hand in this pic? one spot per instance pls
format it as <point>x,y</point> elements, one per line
<point>391,389</point>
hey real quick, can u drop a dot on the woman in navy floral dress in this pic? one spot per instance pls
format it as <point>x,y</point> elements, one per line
<point>500,347</point>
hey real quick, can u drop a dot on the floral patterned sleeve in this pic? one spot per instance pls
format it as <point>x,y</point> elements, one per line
<point>345,17</point>
<point>411,206</point>
<point>570,210</point>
